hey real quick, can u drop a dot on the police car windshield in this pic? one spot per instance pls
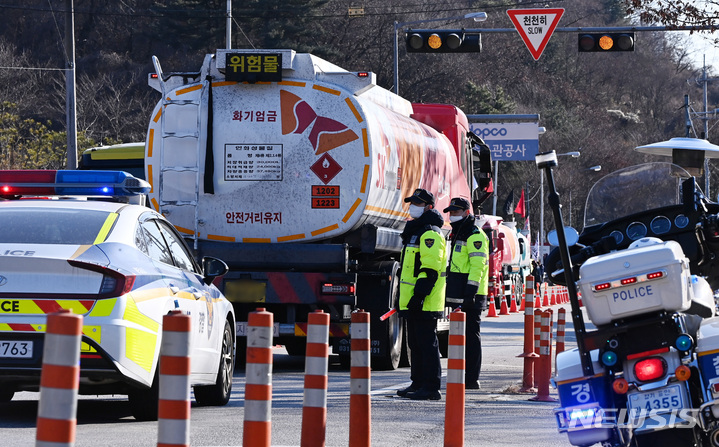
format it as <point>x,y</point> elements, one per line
<point>634,190</point>
<point>50,226</point>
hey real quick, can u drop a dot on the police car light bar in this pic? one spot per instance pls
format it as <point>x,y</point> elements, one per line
<point>67,182</point>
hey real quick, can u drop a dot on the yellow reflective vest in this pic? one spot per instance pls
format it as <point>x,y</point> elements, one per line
<point>422,253</point>
<point>468,264</point>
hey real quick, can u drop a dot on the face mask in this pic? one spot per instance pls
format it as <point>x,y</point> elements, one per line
<point>455,218</point>
<point>415,211</point>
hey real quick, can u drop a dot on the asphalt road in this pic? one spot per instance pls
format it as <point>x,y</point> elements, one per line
<point>496,415</point>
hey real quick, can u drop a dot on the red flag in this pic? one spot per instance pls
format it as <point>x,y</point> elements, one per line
<point>520,209</point>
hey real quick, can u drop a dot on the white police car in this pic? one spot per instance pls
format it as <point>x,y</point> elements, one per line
<point>123,267</point>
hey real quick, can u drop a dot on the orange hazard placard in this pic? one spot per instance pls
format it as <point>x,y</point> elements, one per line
<point>535,26</point>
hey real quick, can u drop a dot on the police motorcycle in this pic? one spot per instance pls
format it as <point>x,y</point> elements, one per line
<point>646,262</point>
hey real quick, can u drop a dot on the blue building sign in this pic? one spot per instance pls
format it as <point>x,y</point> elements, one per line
<point>509,141</point>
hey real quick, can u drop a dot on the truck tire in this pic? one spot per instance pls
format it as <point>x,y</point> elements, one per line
<point>378,292</point>
<point>219,393</point>
<point>390,332</point>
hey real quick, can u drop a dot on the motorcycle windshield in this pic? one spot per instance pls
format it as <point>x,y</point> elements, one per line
<point>633,190</point>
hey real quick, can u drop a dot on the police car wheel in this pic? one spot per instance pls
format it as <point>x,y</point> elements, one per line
<point>144,401</point>
<point>219,393</point>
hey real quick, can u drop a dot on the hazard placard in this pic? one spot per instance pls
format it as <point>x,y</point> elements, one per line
<point>535,26</point>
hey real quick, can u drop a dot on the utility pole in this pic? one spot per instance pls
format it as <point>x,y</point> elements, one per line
<point>705,116</point>
<point>71,98</point>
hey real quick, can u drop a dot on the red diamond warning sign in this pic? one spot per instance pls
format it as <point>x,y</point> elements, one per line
<point>535,26</point>
<point>326,168</point>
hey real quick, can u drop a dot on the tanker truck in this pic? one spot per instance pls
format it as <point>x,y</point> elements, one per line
<point>293,171</point>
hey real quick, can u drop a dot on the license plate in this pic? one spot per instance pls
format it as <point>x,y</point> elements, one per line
<point>666,398</point>
<point>16,349</point>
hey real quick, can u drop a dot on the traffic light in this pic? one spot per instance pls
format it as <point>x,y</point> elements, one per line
<point>443,41</point>
<point>606,42</point>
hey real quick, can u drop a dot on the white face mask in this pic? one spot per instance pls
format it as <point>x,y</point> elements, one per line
<point>455,218</point>
<point>415,211</point>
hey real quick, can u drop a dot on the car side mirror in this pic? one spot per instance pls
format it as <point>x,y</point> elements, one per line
<point>213,268</point>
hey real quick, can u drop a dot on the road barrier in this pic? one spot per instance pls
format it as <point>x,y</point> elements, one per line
<point>454,405</point>
<point>257,427</point>
<point>314,406</point>
<point>529,355</point>
<point>173,410</point>
<point>59,381</point>
<point>360,432</point>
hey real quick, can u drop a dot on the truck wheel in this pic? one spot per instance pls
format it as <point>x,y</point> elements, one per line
<point>390,338</point>
<point>389,332</point>
<point>219,393</point>
<point>241,353</point>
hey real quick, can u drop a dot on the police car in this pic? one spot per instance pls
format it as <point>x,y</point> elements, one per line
<point>120,265</point>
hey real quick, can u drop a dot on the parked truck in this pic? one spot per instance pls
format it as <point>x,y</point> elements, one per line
<point>293,171</point>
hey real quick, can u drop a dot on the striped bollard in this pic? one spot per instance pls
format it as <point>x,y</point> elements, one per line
<point>545,360</point>
<point>529,355</point>
<point>561,325</point>
<point>360,409</point>
<point>454,406</point>
<point>173,407</point>
<point>257,427</point>
<point>314,406</point>
<point>59,380</point>
<point>537,329</point>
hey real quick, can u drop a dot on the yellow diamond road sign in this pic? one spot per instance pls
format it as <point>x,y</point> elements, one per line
<point>535,26</point>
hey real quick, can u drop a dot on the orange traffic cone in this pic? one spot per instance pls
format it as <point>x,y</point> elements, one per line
<point>545,300</point>
<point>513,305</point>
<point>503,307</point>
<point>492,312</point>
<point>553,299</point>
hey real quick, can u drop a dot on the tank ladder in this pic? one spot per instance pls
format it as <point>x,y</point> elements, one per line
<point>175,117</point>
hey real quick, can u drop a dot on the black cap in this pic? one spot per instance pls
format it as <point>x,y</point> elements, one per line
<point>421,195</point>
<point>457,204</point>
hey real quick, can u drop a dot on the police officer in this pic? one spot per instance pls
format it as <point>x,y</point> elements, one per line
<point>467,280</point>
<point>421,293</point>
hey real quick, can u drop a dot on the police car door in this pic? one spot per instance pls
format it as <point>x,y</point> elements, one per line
<point>183,279</point>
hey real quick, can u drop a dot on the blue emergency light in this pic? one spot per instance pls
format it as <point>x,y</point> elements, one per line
<point>67,183</point>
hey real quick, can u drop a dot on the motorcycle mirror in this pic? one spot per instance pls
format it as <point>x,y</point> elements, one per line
<point>570,233</point>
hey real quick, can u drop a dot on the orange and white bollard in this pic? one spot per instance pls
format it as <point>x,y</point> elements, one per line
<point>59,380</point>
<point>173,407</point>
<point>360,370</point>
<point>314,407</point>
<point>537,329</point>
<point>454,406</point>
<point>257,427</point>
<point>529,355</point>
<point>544,371</point>
<point>561,326</point>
